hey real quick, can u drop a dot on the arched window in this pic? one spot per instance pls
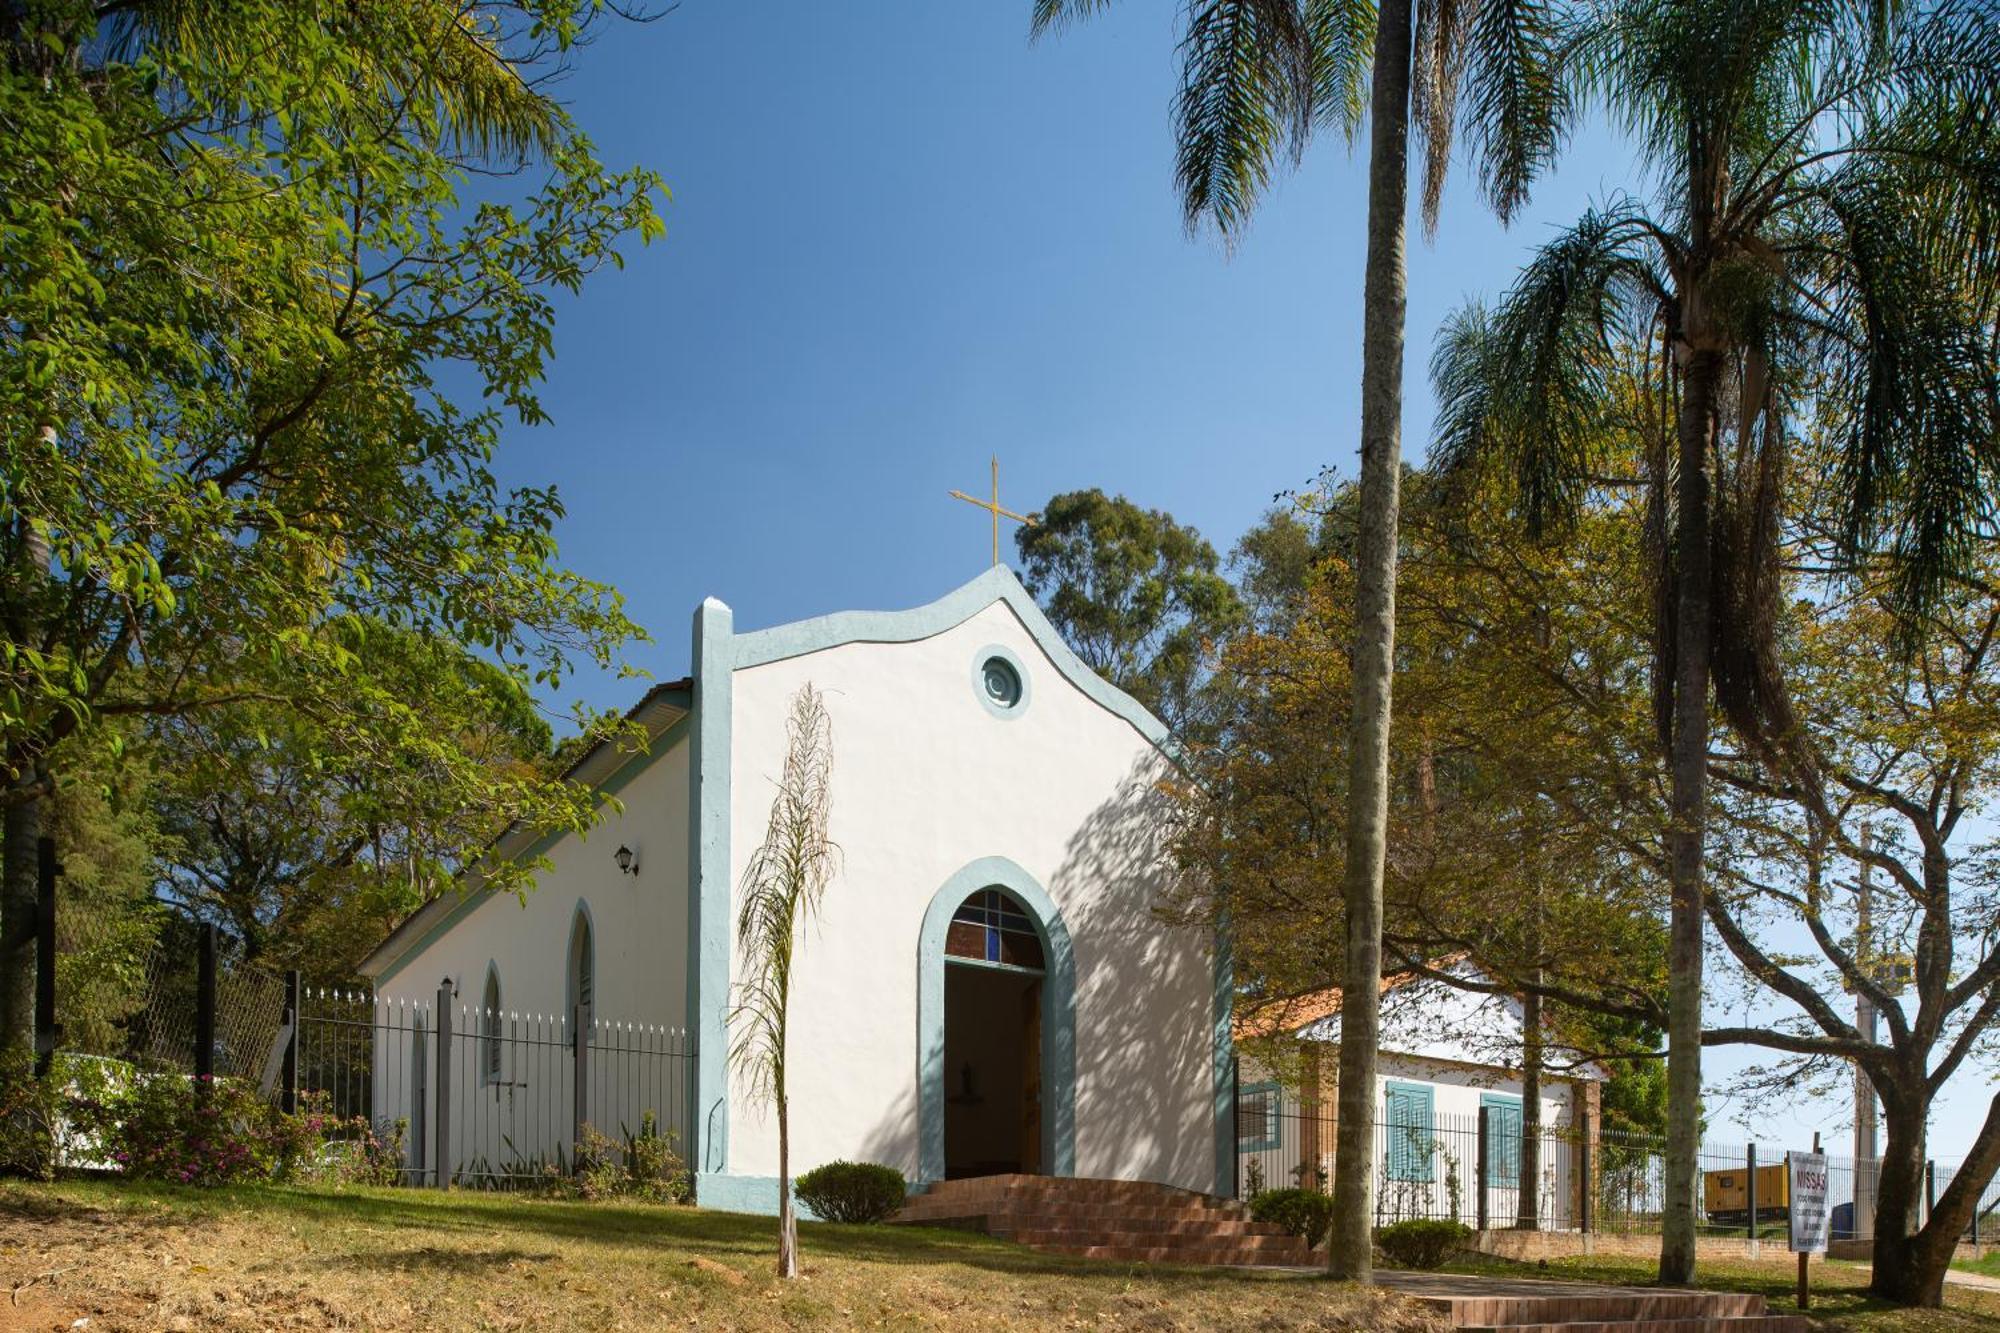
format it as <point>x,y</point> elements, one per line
<point>582,986</point>
<point>990,927</point>
<point>489,1027</point>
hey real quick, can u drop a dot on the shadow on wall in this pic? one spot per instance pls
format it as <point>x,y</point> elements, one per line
<point>1144,1058</point>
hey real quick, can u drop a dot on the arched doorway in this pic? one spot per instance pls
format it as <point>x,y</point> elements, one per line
<point>994,966</point>
<point>996,1049</point>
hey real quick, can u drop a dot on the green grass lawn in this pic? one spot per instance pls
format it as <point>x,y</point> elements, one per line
<point>1987,1265</point>
<point>151,1257</point>
<point>131,1256</point>
<point>1839,1290</point>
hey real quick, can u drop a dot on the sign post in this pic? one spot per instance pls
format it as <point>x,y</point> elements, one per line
<point>1805,1192</point>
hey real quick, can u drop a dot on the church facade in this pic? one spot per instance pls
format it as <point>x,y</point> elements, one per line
<point>988,986</point>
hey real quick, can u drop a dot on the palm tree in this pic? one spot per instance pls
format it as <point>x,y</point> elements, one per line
<point>781,892</point>
<point>1258,78</point>
<point>1820,254</point>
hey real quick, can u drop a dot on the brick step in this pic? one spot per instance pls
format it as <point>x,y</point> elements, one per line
<point>1038,1237</point>
<point>922,1209</point>
<point>1588,1304</point>
<point>1127,1221</point>
<point>1213,1253</point>
<point>1002,1224</point>
<point>1699,1323</point>
<point>1123,1191</point>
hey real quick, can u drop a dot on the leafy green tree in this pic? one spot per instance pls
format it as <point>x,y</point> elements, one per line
<point>1258,78</point>
<point>781,890</point>
<point>306,857</point>
<point>1135,593</point>
<point>239,265</point>
<point>1821,249</point>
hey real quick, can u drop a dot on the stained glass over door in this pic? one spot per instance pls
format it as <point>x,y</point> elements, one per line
<point>990,927</point>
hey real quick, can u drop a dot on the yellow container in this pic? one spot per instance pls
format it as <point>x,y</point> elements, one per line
<point>1725,1195</point>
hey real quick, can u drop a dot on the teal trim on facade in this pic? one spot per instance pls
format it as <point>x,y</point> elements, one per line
<point>1223,1055</point>
<point>1058,1015</point>
<point>997,584</point>
<point>1273,1128</point>
<point>1409,1131</point>
<point>745,1194</point>
<point>708,891</point>
<point>1503,1148</point>
<point>613,783</point>
<point>1022,679</point>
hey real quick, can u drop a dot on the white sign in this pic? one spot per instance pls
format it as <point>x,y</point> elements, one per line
<point>1805,1190</point>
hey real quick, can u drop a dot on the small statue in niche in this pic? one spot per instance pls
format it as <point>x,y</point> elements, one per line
<point>967,1094</point>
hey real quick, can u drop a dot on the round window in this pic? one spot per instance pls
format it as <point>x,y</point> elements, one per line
<point>1001,681</point>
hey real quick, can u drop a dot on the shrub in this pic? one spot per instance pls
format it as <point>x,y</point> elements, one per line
<point>645,1166</point>
<point>1421,1242</point>
<point>851,1191</point>
<point>29,1112</point>
<point>653,1166</point>
<point>1306,1213</point>
<point>197,1132</point>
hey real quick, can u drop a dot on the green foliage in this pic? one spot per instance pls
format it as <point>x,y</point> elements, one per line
<point>1135,593</point>
<point>260,337</point>
<point>107,840</point>
<point>30,1111</point>
<point>645,1166</point>
<point>1422,1242</point>
<point>852,1191</point>
<point>303,853</point>
<point>1301,1212</point>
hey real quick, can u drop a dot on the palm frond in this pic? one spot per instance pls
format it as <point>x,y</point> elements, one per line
<point>1526,388</point>
<point>1518,100</point>
<point>1246,97</point>
<point>780,892</point>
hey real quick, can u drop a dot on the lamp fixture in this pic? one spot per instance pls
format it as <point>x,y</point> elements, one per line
<point>628,860</point>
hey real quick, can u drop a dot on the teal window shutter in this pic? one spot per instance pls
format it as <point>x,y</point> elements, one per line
<point>1410,1130</point>
<point>1503,1146</point>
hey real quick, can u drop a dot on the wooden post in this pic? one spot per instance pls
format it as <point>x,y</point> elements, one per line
<point>1483,1151</point>
<point>1750,1198</point>
<point>204,1007</point>
<point>290,1077</point>
<point>1805,1294</point>
<point>441,1131</point>
<point>580,1102</point>
<point>46,1028</point>
<point>1586,1195</point>
<point>1930,1190</point>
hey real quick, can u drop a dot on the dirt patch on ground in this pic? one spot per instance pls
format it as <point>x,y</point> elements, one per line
<point>127,1258</point>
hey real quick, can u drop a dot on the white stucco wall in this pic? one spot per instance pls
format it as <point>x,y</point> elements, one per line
<point>639,926</point>
<point>1457,1090</point>
<point>927,780</point>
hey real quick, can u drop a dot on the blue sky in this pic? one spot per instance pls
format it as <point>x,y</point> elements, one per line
<point>903,238</point>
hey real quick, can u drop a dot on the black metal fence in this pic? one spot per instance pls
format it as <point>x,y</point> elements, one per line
<point>1578,1176</point>
<point>487,1098</point>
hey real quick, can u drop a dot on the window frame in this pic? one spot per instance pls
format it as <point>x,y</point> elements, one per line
<point>1274,1133</point>
<point>1503,1148</point>
<point>490,1039</point>
<point>1416,1168</point>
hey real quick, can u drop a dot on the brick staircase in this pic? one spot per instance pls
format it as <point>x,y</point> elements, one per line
<point>1127,1220</point>
<point>1514,1306</point>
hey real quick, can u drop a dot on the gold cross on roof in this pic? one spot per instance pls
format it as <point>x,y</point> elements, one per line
<point>993,506</point>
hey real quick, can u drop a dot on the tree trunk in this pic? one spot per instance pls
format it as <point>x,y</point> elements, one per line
<point>1898,1200</point>
<point>1911,1272</point>
<point>1688,803</point>
<point>788,1222</point>
<point>18,867</point>
<point>1350,1243</point>
<point>1528,1211</point>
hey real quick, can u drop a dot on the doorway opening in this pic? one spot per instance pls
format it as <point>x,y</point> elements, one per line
<point>992,1038</point>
